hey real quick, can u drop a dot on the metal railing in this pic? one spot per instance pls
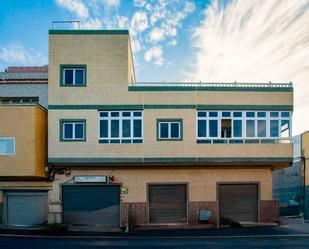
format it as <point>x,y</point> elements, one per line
<point>211,84</point>
<point>244,140</point>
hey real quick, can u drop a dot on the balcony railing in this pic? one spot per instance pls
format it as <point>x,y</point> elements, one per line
<point>212,84</point>
<point>244,141</point>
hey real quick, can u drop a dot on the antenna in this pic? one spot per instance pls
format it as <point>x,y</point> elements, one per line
<point>62,22</point>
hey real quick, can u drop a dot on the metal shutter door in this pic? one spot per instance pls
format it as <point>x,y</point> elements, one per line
<point>239,202</point>
<point>168,203</point>
<point>26,208</point>
<point>91,205</point>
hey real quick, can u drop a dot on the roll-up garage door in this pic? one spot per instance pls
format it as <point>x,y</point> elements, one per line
<point>91,205</point>
<point>239,202</point>
<point>168,203</point>
<point>26,208</point>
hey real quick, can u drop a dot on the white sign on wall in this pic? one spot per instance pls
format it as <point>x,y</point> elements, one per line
<point>85,179</point>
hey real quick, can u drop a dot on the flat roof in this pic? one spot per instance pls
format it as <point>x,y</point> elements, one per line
<point>88,32</point>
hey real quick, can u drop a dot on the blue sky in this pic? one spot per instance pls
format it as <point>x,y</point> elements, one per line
<point>179,40</point>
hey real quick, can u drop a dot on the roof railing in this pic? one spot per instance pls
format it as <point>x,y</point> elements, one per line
<point>210,84</point>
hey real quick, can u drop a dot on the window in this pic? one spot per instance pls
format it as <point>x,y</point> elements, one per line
<point>169,129</point>
<point>120,126</point>
<point>19,100</point>
<point>7,146</point>
<point>73,75</point>
<point>238,126</point>
<point>72,130</point>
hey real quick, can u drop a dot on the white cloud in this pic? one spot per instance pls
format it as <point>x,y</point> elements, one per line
<point>156,34</point>
<point>122,22</point>
<point>76,7</point>
<point>154,54</point>
<point>139,22</point>
<point>16,54</point>
<point>111,3</point>
<point>257,41</point>
<point>92,24</point>
<point>172,43</point>
<point>136,45</point>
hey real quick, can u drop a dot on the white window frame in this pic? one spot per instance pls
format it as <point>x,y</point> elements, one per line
<point>120,118</point>
<point>74,80</point>
<point>169,125</point>
<point>14,143</point>
<point>73,131</point>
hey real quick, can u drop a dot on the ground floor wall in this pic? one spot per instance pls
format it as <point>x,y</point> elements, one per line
<point>202,191</point>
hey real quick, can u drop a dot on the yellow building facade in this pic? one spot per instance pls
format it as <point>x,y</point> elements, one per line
<point>157,154</point>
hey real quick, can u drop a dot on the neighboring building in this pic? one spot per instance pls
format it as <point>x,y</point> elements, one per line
<point>24,85</point>
<point>23,158</point>
<point>162,151</point>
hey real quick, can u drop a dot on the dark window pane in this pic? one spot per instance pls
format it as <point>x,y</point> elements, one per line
<point>175,133</point>
<point>285,114</point>
<point>213,128</point>
<point>213,114</point>
<point>163,130</point>
<point>79,130</point>
<point>250,128</point>
<point>201,114</point>
<point>226,114</point>
<point>237,114</point>
<point>274,128</point>
<point>137,114</point>
<point>103,128</point>
<point>201,127</point>
<point>126,128</point>
<point>274,114</point>
<point>137,128</point>
<point>68,77</point>
<point>261,114</point>
<point>114,128</point>
<point>237,128</point>
<point>79,77</point>
<point>261,128</point>
<point>250,114</point>
<point>126,114</point>
<point>68,131</point>
<point>103,114</point>
<point>114,114</point>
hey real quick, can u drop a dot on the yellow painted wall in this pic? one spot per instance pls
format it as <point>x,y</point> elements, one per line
<point>305,153</point>
<point>28,124</point>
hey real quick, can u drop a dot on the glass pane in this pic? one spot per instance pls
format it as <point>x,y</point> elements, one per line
<point>126,128</point>
<point>175,131</point>
<point>126,114</point>
<point>79,77</point>
<point>261,114</point>
<point>237,128</point>
<point>68,77</point>
<point>274,128</point>
<point>103,128</point>
<point>201,128</point>
<point>79,130</point>
<point>285,128</point>
<point>213,128</point>
<point>237,114</point>
<point>114,114</point>
<point>103,114</point>
<point>137,128</point>
<point>250,128</point>
<point>285,114</point>
<point>163,130</point>
<point>137,114</point>
<point>274,114</point>
<point>250,114</point>
<point>261,128</point>
<point>6,146</point>
<point>201,114</point>
<point>68,131</point>
<point>226,114</point>
<point>213,114</point>
<point>114,128</point>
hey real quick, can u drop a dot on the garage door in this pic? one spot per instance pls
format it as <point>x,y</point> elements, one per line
<point>91,205</point>
<point>168,203</point>
<point>26,208</point>
<point>239,202</point>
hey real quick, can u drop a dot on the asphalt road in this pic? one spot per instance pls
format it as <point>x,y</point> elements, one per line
<point>149,243</point>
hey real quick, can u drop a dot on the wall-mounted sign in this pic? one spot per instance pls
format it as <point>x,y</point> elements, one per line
<point>124,190</point>
<point>86,179</point>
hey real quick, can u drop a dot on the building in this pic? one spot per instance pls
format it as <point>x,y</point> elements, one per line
<point>24,85</point>
<point>157,153</point>
<point>24,181</point>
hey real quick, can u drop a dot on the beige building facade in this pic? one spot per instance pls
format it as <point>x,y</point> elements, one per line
<point>155,154</point>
